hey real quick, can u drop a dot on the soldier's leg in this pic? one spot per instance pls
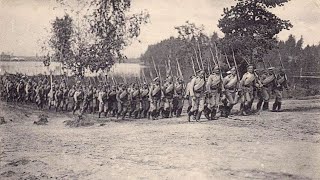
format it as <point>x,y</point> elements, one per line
<point>119,109</point>
<point>125,110</point>
<point>100,108</point>
<point>106,108</point>
<point>146,109</point>
<point>201,106</point>
<point>260,99</point>
<point>179,106</point>
<point>194,107</point>
<point>266,98</point>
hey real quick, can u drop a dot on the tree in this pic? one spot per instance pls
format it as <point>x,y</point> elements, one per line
<point>250,29</point>
<point>107,28</point>
<point>61,39</point>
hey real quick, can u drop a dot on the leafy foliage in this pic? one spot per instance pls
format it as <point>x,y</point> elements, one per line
<point>107,28</point>
<point>250,29</point>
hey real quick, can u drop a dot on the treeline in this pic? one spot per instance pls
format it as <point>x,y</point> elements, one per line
<point>297,58</point>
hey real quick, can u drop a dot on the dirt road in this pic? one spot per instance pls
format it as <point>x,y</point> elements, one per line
<point>282,145</point>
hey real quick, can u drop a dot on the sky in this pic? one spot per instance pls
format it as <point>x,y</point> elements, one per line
<point>23,23</point>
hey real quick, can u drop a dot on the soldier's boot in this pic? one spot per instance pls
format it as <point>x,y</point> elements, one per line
<point>189,115</point>
<point>179,111</point>
<point>154,115</point>
<point>171,112</point>
<point>99,114</point>
<point>279,107</point>
<point>206,112</point>
<point>213,114</point>
<point>189,108</point>
<point>259,104</point>
<point>265,106</point>
<point>244,110</point>
<point>222,110</point>
<point>274,107</point>
<point>227,111</point>
<point>198,116</point>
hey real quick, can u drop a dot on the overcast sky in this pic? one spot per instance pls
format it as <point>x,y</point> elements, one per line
<point>23,22</point>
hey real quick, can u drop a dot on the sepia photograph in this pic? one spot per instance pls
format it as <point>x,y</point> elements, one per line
<point>159,89</point>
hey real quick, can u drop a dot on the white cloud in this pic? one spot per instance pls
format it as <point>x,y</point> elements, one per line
<point>23,22</point>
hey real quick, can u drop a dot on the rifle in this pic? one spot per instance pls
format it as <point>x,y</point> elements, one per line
<point>179,69</point>
<point>236,66</point>
<point>194,70</point>
<point>200,55</point>
<point>228,59</point>
<point>285,75</point>
<point>212,57</point>
<point>154,65</point>
<point>220,72</point>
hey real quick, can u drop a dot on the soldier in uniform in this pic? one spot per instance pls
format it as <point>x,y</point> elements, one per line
<point>71,101</point>
<point>102,98</point>
<point>39,95</point>
<point>112,101</point>
<point>187,95</point>
<point>230,83</point>
<point>168,92</point>
<point>87,101</point>
<point>134,101</point>
<point>123,101</point>
<point>145,104</point>
<point>197,93</point>
<point>78,97</point>
<point>51,97</point>
<point>20,91</point>
<point>267,80</point>
<point>281,82</point>
<point>155,98</point>
<point>28,91</point>
<point>58,98</point>
<point>213,88</point>
<point>178,97</point>
<point>247,84</point>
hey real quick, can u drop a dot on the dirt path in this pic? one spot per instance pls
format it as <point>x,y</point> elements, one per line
<point>270,146</point>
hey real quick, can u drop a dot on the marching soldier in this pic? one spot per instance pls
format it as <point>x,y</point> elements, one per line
<point>71,101</point>
<point>40,96</point>
<point>20,91</point>
<point>102,98</point>
<point>187,95</point>
<point>51,97</point>
<point>247,84</point>
<point>281,82</point>
<point>78,97</point>
<point>88,98</point>
<point>134,101</point>
<point>58,98</point>
<point>178,97</point>
<point>267,80</point>
<point>123,101</point>
<point>112,101</point>
<point>168,92</point>
<point>230,83</point>
<point>145,104</point>
<point>197,93</point>
<point>155,98</point>
<point>213,88</point>
<point>28,91</point>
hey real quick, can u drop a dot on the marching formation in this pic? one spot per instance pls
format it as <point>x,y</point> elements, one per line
<point>210,94</point>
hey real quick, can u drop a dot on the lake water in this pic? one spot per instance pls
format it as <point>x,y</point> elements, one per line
<point>37,67</point>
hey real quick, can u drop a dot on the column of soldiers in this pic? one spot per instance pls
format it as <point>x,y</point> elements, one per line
<point>213,95</point>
